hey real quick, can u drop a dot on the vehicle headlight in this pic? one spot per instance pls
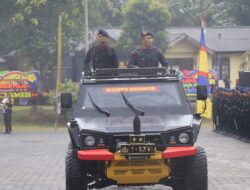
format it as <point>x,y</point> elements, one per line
<point>89,140</point>
<point>183,138</point>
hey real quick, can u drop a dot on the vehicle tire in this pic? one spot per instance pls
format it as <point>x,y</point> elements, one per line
<point>76,179</point>
<point>178,173</point>
<point>196,173</point>
<point>192,172</point>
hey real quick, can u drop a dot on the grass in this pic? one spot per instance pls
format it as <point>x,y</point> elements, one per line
<point>31,118</point>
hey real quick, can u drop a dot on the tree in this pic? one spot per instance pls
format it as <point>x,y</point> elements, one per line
<point>106,13</point>
<point>187,13</point>
<point>217,12</point>
<point>143,15</point>
<point>245,64</point>
<point>31,30</point>
<point>30,26</point>
<point>7,10</point>
<point>239,11</point>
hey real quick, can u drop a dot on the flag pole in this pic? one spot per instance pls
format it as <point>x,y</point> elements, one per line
<point>59,57</point>
<point>59,67</point>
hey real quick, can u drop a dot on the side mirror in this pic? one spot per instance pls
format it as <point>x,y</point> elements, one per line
<point>201,92</point>
<point>65,100</point>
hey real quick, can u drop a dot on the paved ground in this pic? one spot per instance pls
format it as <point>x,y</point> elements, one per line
<point>35,161</point>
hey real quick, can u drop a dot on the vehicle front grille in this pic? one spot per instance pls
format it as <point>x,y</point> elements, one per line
<point>138,172</point>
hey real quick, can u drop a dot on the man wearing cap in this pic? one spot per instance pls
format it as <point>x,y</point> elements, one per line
<point>100,55</point>
<point>147,55</point>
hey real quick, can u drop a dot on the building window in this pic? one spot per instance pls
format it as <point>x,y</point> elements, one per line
<point>221,64</point>
<point>181,64</point>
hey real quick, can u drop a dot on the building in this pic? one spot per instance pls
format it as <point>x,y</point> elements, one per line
<point>225,45</point>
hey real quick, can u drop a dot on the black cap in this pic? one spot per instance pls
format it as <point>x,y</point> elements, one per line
<point>146,33</point>
<point>103,32</point>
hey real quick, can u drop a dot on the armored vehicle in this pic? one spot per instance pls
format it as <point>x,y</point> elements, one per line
<point>134,127</point>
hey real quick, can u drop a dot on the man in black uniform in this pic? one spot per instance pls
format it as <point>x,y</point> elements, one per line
<point>147,55</point>
<point>100,55</point>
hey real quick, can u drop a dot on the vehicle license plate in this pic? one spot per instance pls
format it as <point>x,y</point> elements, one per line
<point>129,149</point>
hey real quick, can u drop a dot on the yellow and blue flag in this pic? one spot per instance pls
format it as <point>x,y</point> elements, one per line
<point>203,73</point>
<point>203,61</point>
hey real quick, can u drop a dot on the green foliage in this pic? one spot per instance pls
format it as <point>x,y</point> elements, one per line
<point>144,15</point>
<point>217,12</point>
<point>67,86</point>
<point>106,13</point>
<point>245,64</point>
<point>31,29</point>
<point>187,13</point>
<point>30,26</point>
<point>238,11</point>
<point>7,10</point>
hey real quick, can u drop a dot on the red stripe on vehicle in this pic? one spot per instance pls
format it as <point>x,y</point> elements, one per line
<point>173,152</point>
<point>97,154</point>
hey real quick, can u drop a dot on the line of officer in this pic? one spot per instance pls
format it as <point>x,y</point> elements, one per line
<point>100,55</point>
<point>7,104</point>
<point>231,109</point>
<point>147,55</point>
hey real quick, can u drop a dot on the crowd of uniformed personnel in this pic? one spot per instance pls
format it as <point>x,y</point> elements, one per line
<point>231,112</point>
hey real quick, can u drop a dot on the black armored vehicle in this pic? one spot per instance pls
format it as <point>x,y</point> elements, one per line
<point>134,127</point>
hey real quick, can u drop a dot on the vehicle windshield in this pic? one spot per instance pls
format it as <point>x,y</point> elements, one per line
<point>152,98</point>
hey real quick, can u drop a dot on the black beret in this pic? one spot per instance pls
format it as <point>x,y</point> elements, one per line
<point>146,33</point>
<point>103,32</point>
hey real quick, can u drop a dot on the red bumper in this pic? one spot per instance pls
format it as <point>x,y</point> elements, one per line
<point>174,152</point>
<point>104,154</point>
<point>96,154</point>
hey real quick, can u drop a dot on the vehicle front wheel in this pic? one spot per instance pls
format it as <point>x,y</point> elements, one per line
<point>192,172</point>
<point>196,176</point>
<point>76,179</point>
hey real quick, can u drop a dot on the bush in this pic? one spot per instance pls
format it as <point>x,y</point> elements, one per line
<point>67,86</point>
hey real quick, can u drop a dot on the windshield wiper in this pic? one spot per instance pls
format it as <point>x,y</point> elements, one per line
<point>97,107</point>
<point>131,106</point>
